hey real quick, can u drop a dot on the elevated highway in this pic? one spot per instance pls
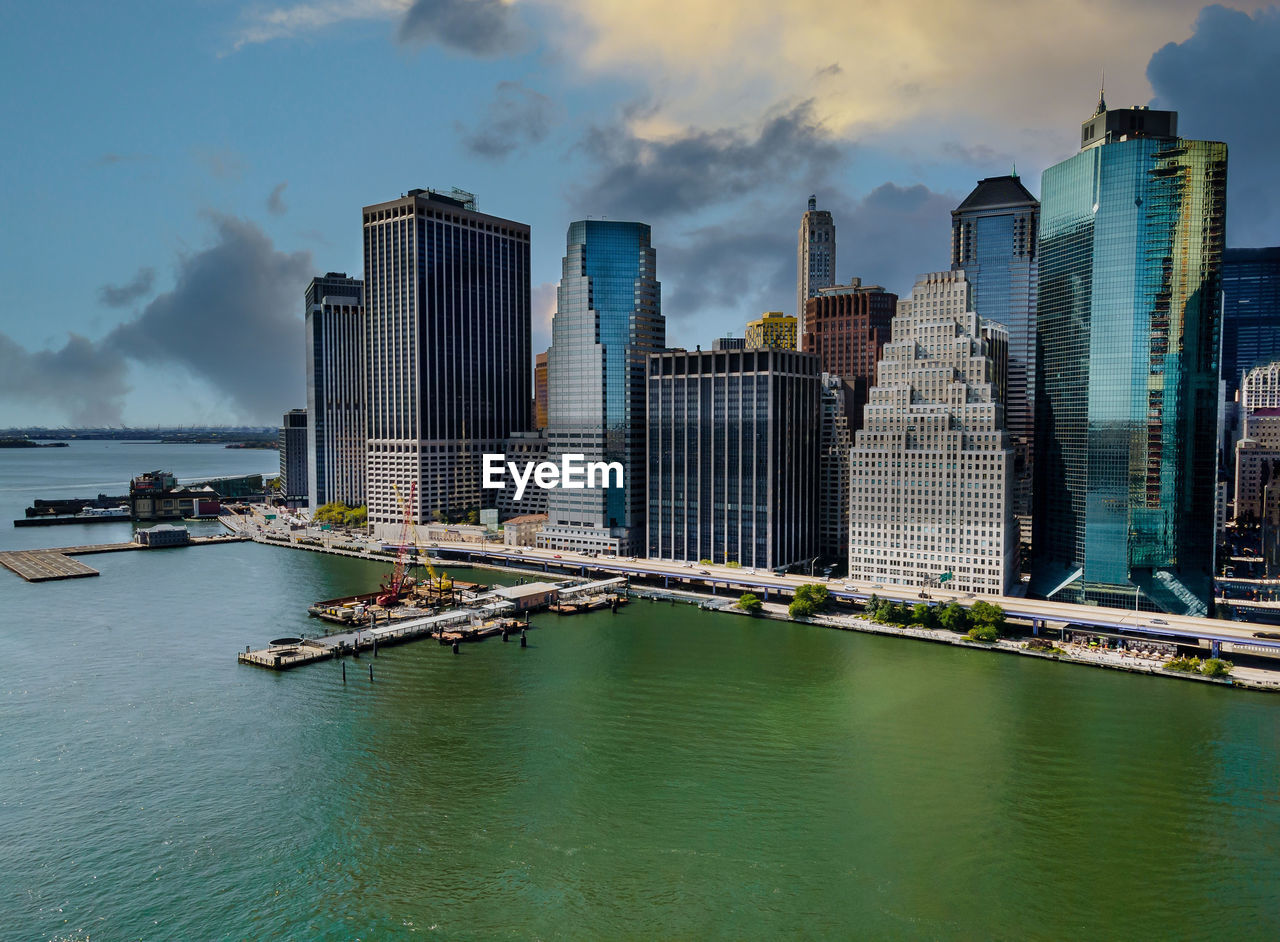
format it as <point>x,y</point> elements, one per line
<point>1214,636</point>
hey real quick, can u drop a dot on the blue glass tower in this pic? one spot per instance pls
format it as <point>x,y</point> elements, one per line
<point>1131,241</point>
<point>993,241</point>
<point>608,320</point>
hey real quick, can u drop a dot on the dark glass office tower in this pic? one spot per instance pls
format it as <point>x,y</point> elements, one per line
<point>608,320</point>
<point>993,240</point>
<point>1250,311</point>
<point>336,419</point>
<point>449,364</point>
<point>1131,242</point>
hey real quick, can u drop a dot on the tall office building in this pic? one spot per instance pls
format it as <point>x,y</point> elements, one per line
<point>733,444</point>
<point>772,329</point>
<point>608,320</point>
<point>540,391</point>
<point>1131,241</point>
<point>336,453</point>
<point>930,497</point>
<point>448,350</point>
<point>815,256</point>
<point>293,457</point>
<point>833,472</point>
<point>993,240</point>
<point>847,326</point>
<point>1250,311</point>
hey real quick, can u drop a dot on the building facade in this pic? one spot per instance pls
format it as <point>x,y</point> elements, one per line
<point>733,445</point>
<point>846,327</point>
<point>608,320</point>
<point>772,329</point>
<point>1131,241</point>
<point>448,366</point>
<point>1250,311</point>
<point>540,391</point>
<point>833,473</point>
<point>931,474</point>
<point>293,457</point>
<point>994,234</point>
<point>336,418</point>
<point>815,256</point>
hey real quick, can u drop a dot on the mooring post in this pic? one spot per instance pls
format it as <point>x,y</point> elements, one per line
<point>344,672</point>
<point>371,673</point>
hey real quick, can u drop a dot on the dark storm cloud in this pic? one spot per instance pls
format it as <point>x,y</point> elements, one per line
<point>124,295</point>
<point>275,200</point>
<point>231,319</point>
<point>748,263</point>
<point>516,116</point>
<point>1222,83</point>
<point>82,380</point>
<point>651,179</point>
<point>477,27</point>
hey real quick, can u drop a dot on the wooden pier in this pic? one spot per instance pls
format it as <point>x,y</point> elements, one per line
<point>48,565</point>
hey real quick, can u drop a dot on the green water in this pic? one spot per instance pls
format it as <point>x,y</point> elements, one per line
<point>659,773</point>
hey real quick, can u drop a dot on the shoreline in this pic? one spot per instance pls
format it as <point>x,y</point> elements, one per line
<point>1262,680</point>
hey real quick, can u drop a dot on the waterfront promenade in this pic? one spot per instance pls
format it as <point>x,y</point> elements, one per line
<point>48,565</point>
<point>720,586</point>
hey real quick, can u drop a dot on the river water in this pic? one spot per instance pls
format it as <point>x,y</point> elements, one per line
<point>659,773</point>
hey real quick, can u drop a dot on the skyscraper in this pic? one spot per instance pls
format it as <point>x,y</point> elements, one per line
<point>733,446</point>
<point>993,240</point>
<point>293,457</point>
<point>1131,241</point>
<point>608,320</point>
<point>1250,311</point>
<point>449,359</point>
<point>847,326</point>
<point>815,256</point>
<point>336,418</point>
<point>930,499</point>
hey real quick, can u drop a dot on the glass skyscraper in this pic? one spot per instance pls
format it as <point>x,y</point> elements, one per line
<point>1250,311</point>
<point>608,320</point>
<point>993,241</point>
<point>1131,241</point>
<point>815,256</point>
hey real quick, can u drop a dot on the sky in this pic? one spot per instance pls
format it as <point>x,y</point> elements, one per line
<point>175,173</point>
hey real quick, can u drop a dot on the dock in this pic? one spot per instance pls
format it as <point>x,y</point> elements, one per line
<point>49,565</point>
<point>457,626</point>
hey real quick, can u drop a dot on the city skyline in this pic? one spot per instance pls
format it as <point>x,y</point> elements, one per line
<point>249,216</point>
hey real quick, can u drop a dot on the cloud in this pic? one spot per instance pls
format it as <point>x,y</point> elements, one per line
<point>1222,83</point>
<point>233,319</point>
<point>275,201</point>
<point>543,306</point>
<point>717,277</point>
<point>286,22</point>
<point>711,63</point>
<point>651,178</point>
<point>124,295</point>
<point>81,380</point>
<point>516,116</point>
<point>478,27</point>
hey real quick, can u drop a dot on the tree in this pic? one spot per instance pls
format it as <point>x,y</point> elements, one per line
<point>922,614</point>
<point>872,606</point>
<point>954,618</point>
<point>750,603</point>
<point>1216,667</point>
<point>985,633</point>
<point>984,613</point>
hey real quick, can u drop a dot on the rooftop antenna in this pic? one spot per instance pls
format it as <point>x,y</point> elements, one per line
<point>1015,168</point>
<point>1102,93</point>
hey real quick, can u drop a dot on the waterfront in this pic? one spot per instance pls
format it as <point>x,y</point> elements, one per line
<point>662,772</point>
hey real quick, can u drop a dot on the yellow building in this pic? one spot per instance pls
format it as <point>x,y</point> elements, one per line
<point>772,329</point>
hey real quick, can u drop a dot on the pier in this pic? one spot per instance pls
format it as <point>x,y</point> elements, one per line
<point>461,625</point>
<point>50,565</point>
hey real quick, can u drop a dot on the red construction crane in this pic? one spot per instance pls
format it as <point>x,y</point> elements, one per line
<point>395,589</point>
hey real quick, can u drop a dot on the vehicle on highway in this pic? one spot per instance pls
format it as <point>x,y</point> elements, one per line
<point>703,572</point>
<point>1158,621</point>
<point>557,556</point>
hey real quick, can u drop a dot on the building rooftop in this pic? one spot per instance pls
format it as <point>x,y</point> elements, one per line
<point>995,192</point>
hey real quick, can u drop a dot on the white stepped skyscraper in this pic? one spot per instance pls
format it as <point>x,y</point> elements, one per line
<point>930,495</point>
